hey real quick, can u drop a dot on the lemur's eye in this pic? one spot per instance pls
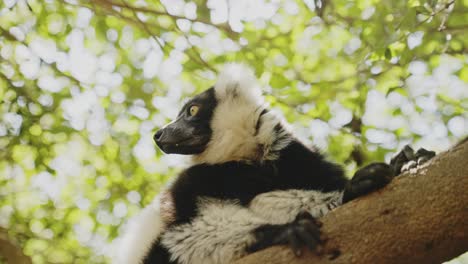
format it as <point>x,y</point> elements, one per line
<point>193,111</point>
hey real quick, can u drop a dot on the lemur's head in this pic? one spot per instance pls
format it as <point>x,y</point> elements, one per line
<point>227,122</point>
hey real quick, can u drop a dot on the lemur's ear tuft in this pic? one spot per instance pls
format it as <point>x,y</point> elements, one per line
<point>237,80</point>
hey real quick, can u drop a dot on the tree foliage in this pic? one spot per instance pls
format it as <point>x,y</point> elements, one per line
<point>84,84</point>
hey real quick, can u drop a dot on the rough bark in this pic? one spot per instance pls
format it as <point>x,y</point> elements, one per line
<point>420,217</point>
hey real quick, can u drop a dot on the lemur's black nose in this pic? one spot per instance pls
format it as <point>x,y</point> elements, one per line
<point>158,135</point>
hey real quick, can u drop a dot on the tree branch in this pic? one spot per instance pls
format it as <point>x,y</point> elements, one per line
<point>10,251</point>
<point>420,217</point>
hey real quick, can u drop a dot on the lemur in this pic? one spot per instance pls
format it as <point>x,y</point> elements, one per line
<point>253,183</point>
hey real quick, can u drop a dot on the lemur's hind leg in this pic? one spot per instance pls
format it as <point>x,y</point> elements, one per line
<point>376,175</point>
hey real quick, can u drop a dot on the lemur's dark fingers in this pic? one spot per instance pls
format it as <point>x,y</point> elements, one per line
<point>295,244</point>
<point>424,152</point>
<point>307,229</point>
<point>400,159</point>
<point>420,157</point>
<point>424,155</point>
<point>268,235</point>
<point>408,151</point>
<point>311,229</point>
<point>310,223</point>
<point>308,238</point>
<point>303,231</point>
<point>407,159</point>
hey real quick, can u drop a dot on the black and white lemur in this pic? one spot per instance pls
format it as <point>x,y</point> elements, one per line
<point>252,184</point>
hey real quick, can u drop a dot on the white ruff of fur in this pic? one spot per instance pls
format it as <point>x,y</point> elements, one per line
<point>142,231</point>
<point>234,125</point>
<point>281,207</point>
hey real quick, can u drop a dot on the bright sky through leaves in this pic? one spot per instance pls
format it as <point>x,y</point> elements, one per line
<point>84,85</point>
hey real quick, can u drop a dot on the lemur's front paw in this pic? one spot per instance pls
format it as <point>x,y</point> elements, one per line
<point>367,179</point>
<point>304,231</point>
<point>408,159</point>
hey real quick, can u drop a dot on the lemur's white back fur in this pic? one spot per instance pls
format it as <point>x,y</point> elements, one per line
<point>139,235</point>
<point>241,130</point>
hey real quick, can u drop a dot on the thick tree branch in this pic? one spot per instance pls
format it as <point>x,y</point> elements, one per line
<point>10,251</point>
<point>421,217</point>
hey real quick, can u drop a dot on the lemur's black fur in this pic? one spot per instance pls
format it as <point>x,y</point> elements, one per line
<point>296,167</point>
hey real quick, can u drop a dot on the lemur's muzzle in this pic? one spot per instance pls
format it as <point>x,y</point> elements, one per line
<point>178,137</point>
<point>171,138</point>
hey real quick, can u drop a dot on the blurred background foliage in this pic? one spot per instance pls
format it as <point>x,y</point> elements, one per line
<point>84,84</point>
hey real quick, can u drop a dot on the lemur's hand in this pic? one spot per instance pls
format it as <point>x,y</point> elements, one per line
<point>376,175</point>
<point>167,207</point>
<point>408,159</point>
<point>304,231</point>
<point>367,179</point>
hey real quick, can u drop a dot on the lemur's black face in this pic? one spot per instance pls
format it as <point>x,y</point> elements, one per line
<point>191,131</point>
